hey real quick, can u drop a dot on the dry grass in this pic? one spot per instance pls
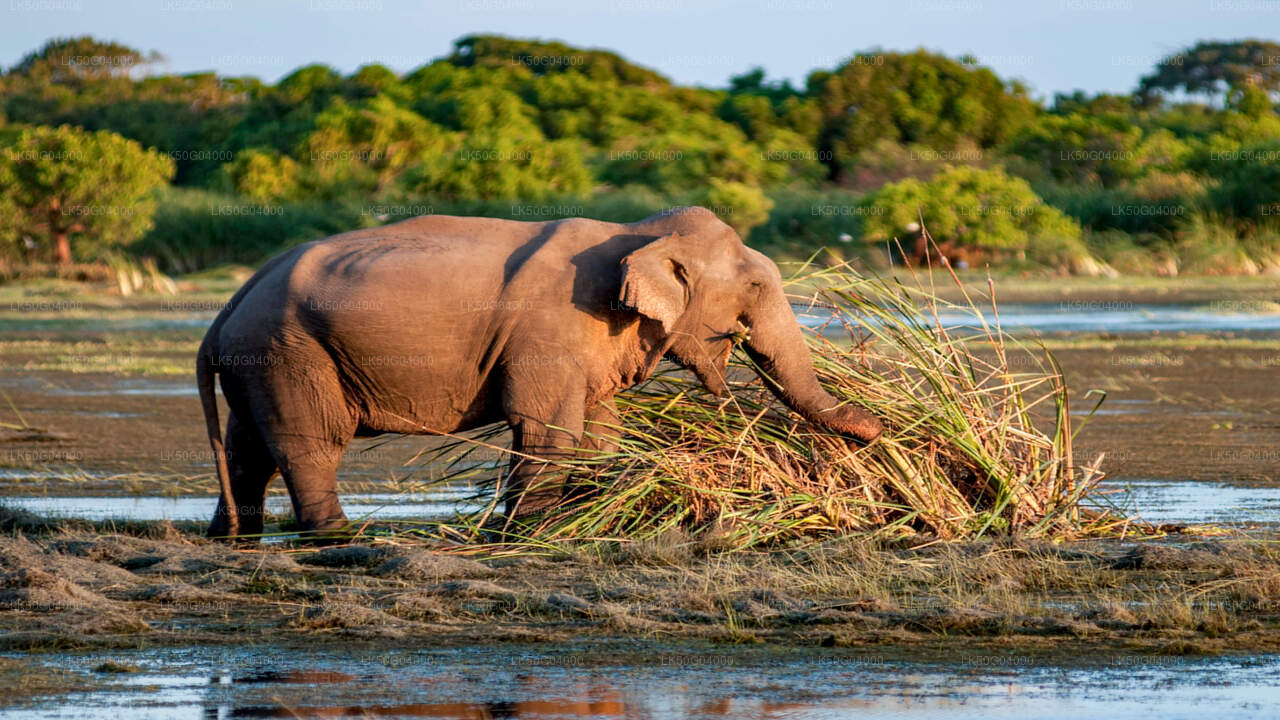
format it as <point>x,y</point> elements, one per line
<point>63,586</point>
<point>975,443</point>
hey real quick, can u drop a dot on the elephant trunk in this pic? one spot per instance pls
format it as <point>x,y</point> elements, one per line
<point>778,347</point>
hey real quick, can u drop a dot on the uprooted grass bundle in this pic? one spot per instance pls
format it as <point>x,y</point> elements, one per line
<point>977,440</point>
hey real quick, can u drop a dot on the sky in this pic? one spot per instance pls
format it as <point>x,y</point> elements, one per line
<point>1051,45</point>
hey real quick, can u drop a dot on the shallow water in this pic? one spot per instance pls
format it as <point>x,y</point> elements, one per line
<point>1199,503</point>
<point>653,683</point>
<point>1110,317</point>
<point>1068,316</point>
<point>1187,502</point>
<point>106,321</point>
<point>134,386</point>
<point>381,506</point>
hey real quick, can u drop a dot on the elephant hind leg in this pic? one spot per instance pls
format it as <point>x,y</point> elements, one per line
<point>310,470</point>
<point>251,467</point>
<point>305,422</point>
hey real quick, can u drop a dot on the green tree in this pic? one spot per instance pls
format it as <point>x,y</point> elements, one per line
<point>1213,68</point>
<point>543,58</point>
<point>371,80</point>
<point>1082,149</point>
<point>915,98</point>
<point>505,166</point>
<point>752,82</point>
<point>77,59</point>
<point>1248,181</point>
<point>1252,101</point>
<point>365,147</point>
<point>263,176</point>
<point>985,209</point>
<point>96,188</point>
<point>741,206</point>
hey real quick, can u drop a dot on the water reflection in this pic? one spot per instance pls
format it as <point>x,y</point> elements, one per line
<point>629,681</point>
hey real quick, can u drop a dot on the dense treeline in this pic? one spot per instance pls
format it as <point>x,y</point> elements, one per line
<point>102,155</point>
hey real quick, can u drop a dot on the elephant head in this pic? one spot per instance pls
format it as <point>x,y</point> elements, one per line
<point>703,285</point>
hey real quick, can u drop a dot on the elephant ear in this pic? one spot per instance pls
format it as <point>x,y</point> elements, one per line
<point>655,280</point>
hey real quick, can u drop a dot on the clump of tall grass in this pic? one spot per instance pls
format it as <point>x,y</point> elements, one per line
<point>977,440</point>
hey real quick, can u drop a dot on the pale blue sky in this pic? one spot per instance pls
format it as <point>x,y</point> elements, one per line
<point>1053,45</point>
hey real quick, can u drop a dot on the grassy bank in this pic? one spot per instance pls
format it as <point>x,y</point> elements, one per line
<point>152,585</point>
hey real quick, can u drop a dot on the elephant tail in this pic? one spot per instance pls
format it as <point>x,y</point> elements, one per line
<point>206,372</point>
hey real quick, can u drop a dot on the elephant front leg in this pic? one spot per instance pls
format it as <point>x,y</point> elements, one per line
<point>541,440</point>
<point>601,435</point>
<point>602,427</point>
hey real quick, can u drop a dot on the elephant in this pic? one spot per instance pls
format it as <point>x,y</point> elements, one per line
<point>440,324</point>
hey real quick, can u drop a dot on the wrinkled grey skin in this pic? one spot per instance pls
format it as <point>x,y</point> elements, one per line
<point>443,324</point>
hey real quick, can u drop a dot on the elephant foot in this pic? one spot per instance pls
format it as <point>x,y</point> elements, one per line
<point>247,529</point>
<point>522,505</point>
<point>332,531</point>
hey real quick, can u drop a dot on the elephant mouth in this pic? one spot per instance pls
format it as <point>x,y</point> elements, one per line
<point>709,363</point>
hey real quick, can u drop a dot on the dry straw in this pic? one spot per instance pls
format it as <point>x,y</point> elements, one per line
<point>977,440</point>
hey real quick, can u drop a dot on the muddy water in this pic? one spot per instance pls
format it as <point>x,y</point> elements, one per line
<point>653,683</point>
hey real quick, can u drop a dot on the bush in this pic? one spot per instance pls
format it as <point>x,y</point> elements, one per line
<point>984,209</point>
<point>1133,255</point>
<point>1209,248</point>
<point>803,221</point>
<point>1250,183</point>
<point>262,176</point>
<point>1122,209</point>
<point>741,206</point>
<point>504,167</point>
<point>197,229</point>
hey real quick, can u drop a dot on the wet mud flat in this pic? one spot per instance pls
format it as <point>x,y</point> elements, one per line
<point>1183,410</point>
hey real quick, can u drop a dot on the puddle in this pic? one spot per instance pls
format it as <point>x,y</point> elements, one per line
<point>133,387</point>
<point>1085,317</point>
<point>382,506</point>
<point>1127,406</point>
<point>1186,502</point>
<point>655,684</point>
<point>104,321</point>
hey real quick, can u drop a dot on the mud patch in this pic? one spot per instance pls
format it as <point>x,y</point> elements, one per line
<point>426,566</point>
<point>350,617</point>
<point>36,590</point>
